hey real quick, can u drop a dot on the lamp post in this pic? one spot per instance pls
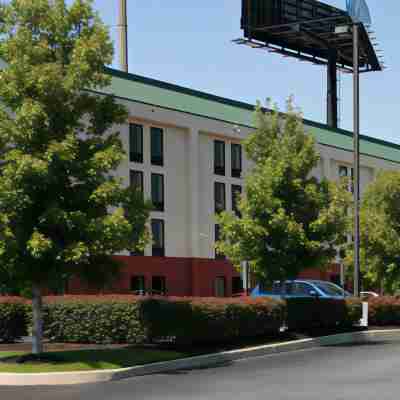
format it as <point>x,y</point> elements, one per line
<point>356,140</point>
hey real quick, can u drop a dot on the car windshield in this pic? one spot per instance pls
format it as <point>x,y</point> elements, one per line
<point>329,288</point>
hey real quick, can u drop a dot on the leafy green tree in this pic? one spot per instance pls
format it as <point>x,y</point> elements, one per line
<point>63,211</point>
<point>380,233</point>
<point>289,220</point>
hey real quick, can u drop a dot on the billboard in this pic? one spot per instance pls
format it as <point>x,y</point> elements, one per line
<point>359,11</point>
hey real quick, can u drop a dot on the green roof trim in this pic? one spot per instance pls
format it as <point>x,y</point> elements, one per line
<point>166,95</point>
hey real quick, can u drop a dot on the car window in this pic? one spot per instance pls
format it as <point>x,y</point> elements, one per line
<point>302,289</point>
<point>289,288</point>
<point>329,288</point>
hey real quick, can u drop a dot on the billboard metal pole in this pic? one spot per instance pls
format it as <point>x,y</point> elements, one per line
<point>123,35</point>
<point>332,98</point>
<point>356,138</point>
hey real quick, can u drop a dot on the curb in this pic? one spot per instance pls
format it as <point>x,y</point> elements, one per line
<point>73,378</point>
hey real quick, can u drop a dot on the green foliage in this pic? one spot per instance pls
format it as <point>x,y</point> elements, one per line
<point>380,233</point>
<point>114,319</point>
<point>289,220</point>
<point>126,319</point>
<point>62,210</point>
<point>306,314</point>
<point>384,311</point>
<point>93,320</point>
<point>13,319</point>
<point>205,321</point>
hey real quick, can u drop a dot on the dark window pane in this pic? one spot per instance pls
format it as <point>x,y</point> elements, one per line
<point>343,171</point>
<point>136,180</point>
<point>219,197</point>
<point>157,229</point>
<point>159,285</point>
<point>236,160</point>
<point>217,235</point>
<point>136,143</point>
<point>236,193</point>
<point>157,191</point>
<point>336,279</point>
<point>138,285</point>
<point>347,172</point>
<point>219,157</point>
<point>237,285</point>
<point>157,146</point>
<point>220,287</point>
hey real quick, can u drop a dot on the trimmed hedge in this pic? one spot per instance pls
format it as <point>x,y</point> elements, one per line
<point>127,319</point>
<point>305,314</point>
<point>13,319</point>
<point>93,319</point>
<point>384,311</point>
<point>184,321</point>
<point>205,321</point>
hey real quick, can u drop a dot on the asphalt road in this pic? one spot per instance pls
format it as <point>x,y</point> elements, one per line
<point>330,373</point>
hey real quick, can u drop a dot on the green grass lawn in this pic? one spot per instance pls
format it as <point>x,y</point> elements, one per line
<point>86,360</point>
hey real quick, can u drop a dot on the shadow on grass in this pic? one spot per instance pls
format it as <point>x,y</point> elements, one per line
<point>95,359</point>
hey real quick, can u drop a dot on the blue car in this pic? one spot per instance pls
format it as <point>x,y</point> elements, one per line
<point>302,288</point>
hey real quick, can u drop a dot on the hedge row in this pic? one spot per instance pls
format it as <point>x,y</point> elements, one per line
<point>306,314</point>
<point>13,319</point>
<point>384,311</point>
<point>128,319</point>
<point>188,321</point>
<point>101,320</point>
<point>124,319</point>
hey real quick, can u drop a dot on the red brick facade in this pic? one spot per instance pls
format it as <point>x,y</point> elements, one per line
<point>332,273</point>
<point>183,276</point>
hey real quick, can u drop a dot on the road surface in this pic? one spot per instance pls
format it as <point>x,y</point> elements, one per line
<point>330,373</point>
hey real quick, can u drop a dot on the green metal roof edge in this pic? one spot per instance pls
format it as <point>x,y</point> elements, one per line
<point>319,130</point>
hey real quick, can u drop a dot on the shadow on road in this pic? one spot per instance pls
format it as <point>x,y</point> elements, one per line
<point>188,370</point>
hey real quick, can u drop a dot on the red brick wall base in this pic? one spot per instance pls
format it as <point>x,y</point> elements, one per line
<point>184,276</point>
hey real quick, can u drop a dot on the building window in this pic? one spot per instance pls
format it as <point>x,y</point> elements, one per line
<point>217,237</point>
<point>219,157</point>
<point>219,197</point>
<point>136,143</point>
<point>236,153</point>
<point>335,278</point>
<point>237,285</point>
<point>136,180</point>
<point>220,286</point>
<point>236,194</point>
<point>138,285</point>
<point>157,191</point>
<point>157,146</point>
<point>347,172</point>
<point>159,285</point>
<point>157,229</point>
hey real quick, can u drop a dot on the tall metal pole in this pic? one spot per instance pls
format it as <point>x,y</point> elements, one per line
<point>356,136</point>
<point>123,35</point>
<point>332,99</point>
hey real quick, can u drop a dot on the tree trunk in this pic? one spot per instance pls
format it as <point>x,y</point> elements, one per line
<point>37,319</point>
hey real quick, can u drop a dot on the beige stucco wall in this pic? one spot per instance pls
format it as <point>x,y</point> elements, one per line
<point>189,176</point>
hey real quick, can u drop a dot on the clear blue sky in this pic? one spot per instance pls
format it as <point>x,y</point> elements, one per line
<point>189,43</point>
